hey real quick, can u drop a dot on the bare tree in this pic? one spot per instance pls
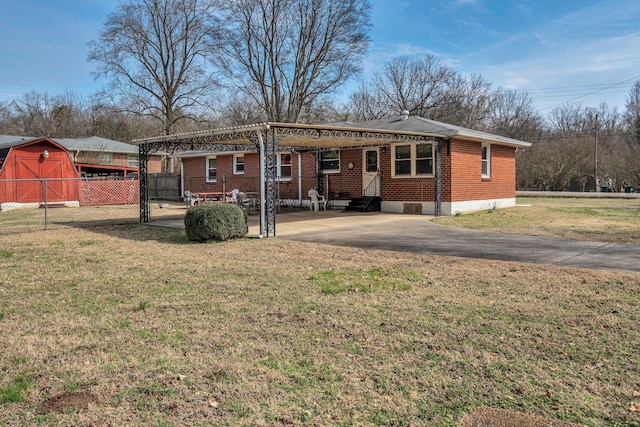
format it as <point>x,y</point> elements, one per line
<point>153,52</point>
<point>416,85</point>
<point>105,119</point>
<point>618,164</point>
<point>632,112</point>
<point>467,102</point>
<point>8,120</point>
<point>568,119</point>
<point>323,110</point>
<point>512,114</point>
<point>551,165</point>
<point>239,109</point>
<point>367,103</point>
<point>286,53</point>
<point>40,114</point>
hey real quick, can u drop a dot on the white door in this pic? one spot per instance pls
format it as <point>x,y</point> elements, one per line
<point>371,172</point>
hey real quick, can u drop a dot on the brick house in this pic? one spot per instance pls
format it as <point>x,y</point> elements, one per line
<point>428,167</point>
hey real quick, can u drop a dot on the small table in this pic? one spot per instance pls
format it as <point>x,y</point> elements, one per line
<point>213,196</point>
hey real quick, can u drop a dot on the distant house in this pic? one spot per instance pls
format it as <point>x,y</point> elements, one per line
<point>63,162</point>
<point>402,165</point>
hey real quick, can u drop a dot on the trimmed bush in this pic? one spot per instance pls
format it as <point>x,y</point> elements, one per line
<point>215,221</point>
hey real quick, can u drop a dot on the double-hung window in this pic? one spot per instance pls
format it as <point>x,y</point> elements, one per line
<point>238,164</point>
<point>486,161</point>
<point>133,161</point>
<point>330,161</point>
<point>283,166</point>
<point>212,169</point>
<point>411,159</point>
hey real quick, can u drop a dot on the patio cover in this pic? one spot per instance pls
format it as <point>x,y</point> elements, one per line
<point>268,137</point>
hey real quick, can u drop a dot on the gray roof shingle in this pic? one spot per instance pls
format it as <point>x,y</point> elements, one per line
<point>92,143</point>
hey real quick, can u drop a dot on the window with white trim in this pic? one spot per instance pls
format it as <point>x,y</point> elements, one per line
<point>330,161</point>
<point>212,169</point>
<point>283,166</point>
<point>412,159</point>
<point>133,161</point>
<point>238,164</point>
<point>486,160</point>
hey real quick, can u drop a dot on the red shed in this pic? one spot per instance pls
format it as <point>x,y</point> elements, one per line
<point>25,164</point>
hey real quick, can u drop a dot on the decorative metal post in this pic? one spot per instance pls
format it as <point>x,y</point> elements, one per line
<point>143,157</point>
<point>271,147</point>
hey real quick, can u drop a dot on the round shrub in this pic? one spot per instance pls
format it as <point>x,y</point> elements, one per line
<point>215,221</point>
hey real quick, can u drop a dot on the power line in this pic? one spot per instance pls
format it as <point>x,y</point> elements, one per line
<point>572,87</point>
<point>592,92</point>
<point>561,95</point>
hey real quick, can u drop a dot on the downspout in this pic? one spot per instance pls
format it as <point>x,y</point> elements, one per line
<point>300,178</point>
<point>182,180</point>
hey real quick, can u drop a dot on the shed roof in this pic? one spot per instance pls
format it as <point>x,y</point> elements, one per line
<point>9,142</point>
<point>92,143</point>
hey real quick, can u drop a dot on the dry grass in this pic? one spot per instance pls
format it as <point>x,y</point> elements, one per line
<point>602,220</point>
<point>162,332</point>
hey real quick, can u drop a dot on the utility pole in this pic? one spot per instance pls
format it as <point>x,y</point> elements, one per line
<point>595,174</point>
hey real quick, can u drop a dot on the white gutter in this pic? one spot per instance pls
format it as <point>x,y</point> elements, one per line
<point>181,179</point>
<point>300,178</point>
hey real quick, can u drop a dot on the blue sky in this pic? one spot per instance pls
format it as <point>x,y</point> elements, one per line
<point>557,50</point>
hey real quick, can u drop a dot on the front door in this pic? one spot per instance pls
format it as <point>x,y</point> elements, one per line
<point>371,172</point>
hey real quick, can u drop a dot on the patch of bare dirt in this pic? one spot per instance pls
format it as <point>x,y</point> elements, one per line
<point>493,417</point>
<point>67,401</point>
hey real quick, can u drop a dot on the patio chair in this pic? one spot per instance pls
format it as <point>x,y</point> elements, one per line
<point>317,200</point>
<point>191,198</point>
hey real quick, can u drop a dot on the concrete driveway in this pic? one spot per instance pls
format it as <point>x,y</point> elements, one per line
<point>416,234</point>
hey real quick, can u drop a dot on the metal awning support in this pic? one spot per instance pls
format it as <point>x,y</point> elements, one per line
<point>263,193</point>
<point>267,138</point>
<point>271,147</point>
<point>143,157</point>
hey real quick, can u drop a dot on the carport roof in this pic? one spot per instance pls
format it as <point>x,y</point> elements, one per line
<point>332,135</point>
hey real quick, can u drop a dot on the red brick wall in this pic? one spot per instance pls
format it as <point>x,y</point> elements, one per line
<point>348,180</point>
<point>467,181</point>
<point>461,168</point>
<point>414,189</point>
<point>154,165</point>
<point>194,170</point>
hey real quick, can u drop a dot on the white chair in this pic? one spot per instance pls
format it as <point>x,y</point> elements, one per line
<point>317,200</point>
<point>191,198</point>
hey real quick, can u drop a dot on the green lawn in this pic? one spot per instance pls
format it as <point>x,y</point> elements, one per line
<point>605,220</point>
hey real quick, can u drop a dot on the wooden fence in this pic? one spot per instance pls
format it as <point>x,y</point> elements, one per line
<point>164,186</point>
